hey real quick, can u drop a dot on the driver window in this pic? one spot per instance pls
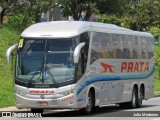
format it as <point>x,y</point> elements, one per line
<point>82,64</point>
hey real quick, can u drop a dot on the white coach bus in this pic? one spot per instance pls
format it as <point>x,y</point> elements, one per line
<point>82,65</point>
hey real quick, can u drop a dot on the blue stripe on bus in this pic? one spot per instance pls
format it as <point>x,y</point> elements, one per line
<point>110,78</point>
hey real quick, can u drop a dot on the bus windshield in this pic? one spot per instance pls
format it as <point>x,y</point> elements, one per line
<point>46,61</point>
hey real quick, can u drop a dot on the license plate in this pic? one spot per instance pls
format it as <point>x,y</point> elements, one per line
<point>42,103</point>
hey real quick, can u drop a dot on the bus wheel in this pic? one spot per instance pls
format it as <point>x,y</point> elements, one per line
<point>88,108</point>
<point>140,98</point>
<point>123,105</point>
<point>95,108</point>
<point>33,110</point>
<point>133,102</point>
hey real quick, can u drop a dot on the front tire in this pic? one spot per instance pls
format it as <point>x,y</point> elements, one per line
<point>89,107</point>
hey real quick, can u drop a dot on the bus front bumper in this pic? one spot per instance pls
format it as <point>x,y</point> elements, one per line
<point>67,102</point>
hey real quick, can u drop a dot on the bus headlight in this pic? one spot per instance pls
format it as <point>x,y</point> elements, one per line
<point>67,92</point>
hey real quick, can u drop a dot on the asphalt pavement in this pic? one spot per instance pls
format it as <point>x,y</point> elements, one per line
<point>149,111</point>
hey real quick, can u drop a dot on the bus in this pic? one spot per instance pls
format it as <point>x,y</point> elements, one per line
<point>82,65</point>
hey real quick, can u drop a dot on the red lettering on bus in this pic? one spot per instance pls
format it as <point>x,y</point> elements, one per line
<point>124,66</point>
<point>146,67</point>
<point>41,92</point>
<point>130,66</point>
<point>141,63</point>
<point>136,67</point>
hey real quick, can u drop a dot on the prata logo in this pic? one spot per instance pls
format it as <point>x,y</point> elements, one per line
<point>127,67</point>
<point>107,68</point>
<point>41,91</point>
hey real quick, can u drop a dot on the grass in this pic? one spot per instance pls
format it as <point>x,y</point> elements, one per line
<point>156,80</point>
<point>9,37</point>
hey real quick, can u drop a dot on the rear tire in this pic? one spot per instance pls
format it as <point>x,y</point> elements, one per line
<point>123,105</point>
<point>133,103</point>
<point>33,110</point>
<point>140,98</point>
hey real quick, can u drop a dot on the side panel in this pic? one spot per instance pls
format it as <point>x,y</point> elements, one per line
<point>117,63</point>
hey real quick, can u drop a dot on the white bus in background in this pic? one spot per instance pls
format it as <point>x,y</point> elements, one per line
<point>82,65</point>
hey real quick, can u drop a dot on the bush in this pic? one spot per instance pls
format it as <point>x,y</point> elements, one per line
<point>112,19</point>
<point>19,21</point>
<point>157,63</point>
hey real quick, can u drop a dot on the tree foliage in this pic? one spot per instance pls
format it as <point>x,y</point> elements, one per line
<point>6,6</point>
<point>157,63</point>
<point>76,7</point>
<point>34,8</point>
<point>112,19</point>
<point>146,14</point>
<point>155,31</point>
<point>142,15</point>
<point>114,7</point>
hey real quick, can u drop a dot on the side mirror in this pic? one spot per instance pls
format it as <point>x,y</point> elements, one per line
<point>77,52</point>
<point>9,51</point>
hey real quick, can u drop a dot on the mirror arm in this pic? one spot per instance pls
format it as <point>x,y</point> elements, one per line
<point>77,52</point>
<point>9,51</point>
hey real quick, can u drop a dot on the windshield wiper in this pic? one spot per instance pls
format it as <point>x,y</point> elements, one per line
<point>42,72</point>
<point>36,72</point>
<point>55,82</point>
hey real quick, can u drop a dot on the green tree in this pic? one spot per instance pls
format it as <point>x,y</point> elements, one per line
<point>6,6</point>
<point>110,7</point>
<point>76,7</point>
<point>34,8</point>
<point>146,14</point>
<point>155,31</point>
<point>157,63</point>
<point>114,7</point>
<point>112,19</point>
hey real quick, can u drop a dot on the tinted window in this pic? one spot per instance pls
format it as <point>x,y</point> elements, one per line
<point>117,46</point>
<point>150,48</point>
<point>126,47</point>
<point>61,45</point>
<point>96,48</point>
<point>135,47</point>
<point>107,46</point>
<point>144,47</point>
<point>30,45</point>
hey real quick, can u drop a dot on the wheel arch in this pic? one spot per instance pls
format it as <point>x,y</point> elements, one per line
<point>93,92</point>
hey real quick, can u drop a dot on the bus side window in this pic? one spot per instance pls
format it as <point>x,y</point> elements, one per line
<point>135,47</point>
<point>144,47</point>
<point>106,45</point>
<point>117,46</point>
<point>126,47</point>
<point>130,39</point>
<point>150,49</point>
<point>96,47</point>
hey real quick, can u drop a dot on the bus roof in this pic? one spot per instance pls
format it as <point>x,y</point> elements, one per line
<point>65,29</point>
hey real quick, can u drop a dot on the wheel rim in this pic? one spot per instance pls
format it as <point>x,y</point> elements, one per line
<point>89,104</point>
<point>140,97</point>
<point>134,99</point>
